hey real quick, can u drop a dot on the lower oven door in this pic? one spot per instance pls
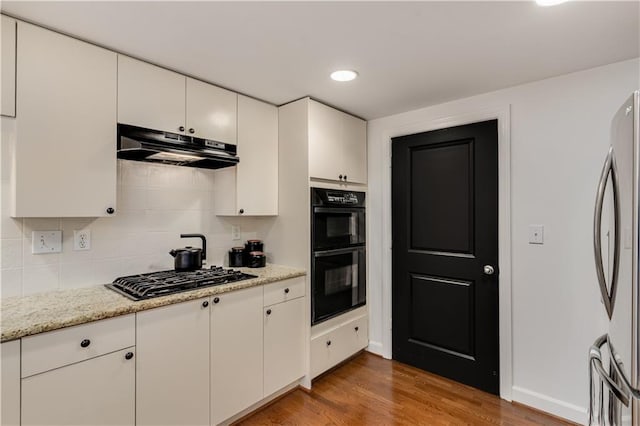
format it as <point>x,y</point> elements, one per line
<point>338,282</point>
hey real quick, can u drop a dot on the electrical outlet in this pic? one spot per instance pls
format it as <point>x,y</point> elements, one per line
<point>235,232</point>
<point>46,242</point>
<point>536,234</point>
<point>82,240</point>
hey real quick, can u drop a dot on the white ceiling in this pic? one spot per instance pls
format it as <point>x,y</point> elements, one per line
<point>408,54</point>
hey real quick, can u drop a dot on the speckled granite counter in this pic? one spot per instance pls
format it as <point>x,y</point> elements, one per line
<point>24,316</point>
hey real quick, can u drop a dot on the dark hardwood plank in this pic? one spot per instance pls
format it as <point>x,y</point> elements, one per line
<point>369,390</point>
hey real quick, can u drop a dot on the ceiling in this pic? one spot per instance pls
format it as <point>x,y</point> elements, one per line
<point>408,54</point>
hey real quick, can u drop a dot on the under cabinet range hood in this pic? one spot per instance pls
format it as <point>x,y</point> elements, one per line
<point>140,144</point>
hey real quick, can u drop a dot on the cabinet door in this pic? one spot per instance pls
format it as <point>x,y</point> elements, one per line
<point>236,352</point>
<point>8,80</point>
<point>99,391</point>
<point>354,145</point>
<point>325,142</point>
<point>10,380</point>
<point>65,157</point>
<point>257,172</point>
<point>150,96</point>
<point>211,112</point>
<point>172,374</point>
<point>284,327</point>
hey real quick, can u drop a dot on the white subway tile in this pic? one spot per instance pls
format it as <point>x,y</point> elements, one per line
<point>11,253</point>
<point>30,259</point>
<point>10,282</point>
<point>133,173</point>
<point>132,198</point>
<point>36,279</point>
<point>30,225</point>
<point>75,275</point>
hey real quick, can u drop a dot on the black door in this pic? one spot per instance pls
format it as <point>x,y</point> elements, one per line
<point>445,252</point>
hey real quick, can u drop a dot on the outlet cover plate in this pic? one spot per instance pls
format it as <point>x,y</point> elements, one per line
<point>536,234</point>
<point>82,240</point>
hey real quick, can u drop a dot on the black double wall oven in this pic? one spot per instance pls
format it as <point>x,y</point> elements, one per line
<point>338,254</point>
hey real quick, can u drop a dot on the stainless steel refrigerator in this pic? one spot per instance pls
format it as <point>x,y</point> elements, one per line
<point>614,361</point>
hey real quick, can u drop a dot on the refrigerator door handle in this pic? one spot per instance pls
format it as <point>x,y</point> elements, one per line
<point>619,391</point>
<point>609,169</point>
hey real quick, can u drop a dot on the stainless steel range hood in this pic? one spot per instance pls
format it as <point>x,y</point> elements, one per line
<point>140,144</point>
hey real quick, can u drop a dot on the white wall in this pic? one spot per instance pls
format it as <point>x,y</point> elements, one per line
<point>155,204</point>
<point>559,136</point>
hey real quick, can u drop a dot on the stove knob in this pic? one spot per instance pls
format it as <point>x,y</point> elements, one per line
<point>205,304</point>
<point>216,299</point>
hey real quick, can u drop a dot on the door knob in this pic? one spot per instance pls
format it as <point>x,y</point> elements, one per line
<point>488,270</point>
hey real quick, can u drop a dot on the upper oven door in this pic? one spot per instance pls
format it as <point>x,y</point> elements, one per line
<point>335,227</point>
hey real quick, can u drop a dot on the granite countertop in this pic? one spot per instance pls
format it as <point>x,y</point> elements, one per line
<point>37,313</point>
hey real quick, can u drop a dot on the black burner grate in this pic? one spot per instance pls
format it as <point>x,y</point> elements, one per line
<point>156,284</point>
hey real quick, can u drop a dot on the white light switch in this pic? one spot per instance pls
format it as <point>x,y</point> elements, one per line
<point>536,234</point>
<point>235,232</point>
<point>46,242</point>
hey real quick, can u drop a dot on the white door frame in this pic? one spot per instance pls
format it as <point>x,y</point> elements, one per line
<point>501,113</point>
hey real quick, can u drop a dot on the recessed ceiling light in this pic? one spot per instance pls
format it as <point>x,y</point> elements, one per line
<point>549,2</point>
<point>344,75</point>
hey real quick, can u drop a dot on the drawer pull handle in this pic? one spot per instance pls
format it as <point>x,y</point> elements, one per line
<point>268,311</point>
<point>216,299</point>
<point>286,291</point>
<point>328,342</point>
<point>357,328</point>
<point>85,343</point>
<point>128,355</point>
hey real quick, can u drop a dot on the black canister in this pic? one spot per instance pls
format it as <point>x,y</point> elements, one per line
<point>257,259</point>
<point>253,245</point>
<point>236,257</point>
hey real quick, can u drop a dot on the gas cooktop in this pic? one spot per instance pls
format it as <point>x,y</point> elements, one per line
<point>156,284</point>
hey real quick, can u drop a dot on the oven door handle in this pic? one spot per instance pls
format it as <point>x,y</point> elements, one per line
<point>339,210</point>
<point>337,251</point>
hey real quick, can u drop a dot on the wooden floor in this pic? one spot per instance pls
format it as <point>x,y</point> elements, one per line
<point>370,390</point>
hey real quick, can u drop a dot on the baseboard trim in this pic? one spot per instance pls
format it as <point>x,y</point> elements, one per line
<point>375,348</point>
<point>550,405</point>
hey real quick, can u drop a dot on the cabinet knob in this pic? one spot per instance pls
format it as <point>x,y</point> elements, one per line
<point>205,304</point>
<point>216,299</point>
<point>268,311</point>
<point>85,343</point>
<point>340,177</point>
<point>181,128</point>
<point>110,210</point>
<point>192,130</point>
<point>241,211</point>
<point>328,342</point>
<point>357,328</point>
<point>128,355</point>
<point>286,291</point>
<point>345,178</point>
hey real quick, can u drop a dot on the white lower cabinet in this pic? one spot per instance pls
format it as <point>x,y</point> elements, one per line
<point>172,371</point>
<point>236,352</point>
<point>284,327</point>
<point>99,391</point>
<point>10,380</point>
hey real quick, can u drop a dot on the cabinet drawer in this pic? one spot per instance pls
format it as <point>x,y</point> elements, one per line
<point>55,349</point>
<point>282,291</point>
<point>338,344</point>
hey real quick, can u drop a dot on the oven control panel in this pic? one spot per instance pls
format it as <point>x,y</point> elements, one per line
<point>343,198</point>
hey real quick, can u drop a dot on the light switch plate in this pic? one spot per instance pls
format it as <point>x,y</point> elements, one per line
<point>46,242</point>
<point>536,234</point>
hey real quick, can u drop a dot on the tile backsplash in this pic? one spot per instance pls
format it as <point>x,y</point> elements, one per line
<point>155,204</point>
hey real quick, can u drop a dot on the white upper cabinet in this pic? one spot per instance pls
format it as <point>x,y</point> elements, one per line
<point>211,112</point>
<point>150,96</point>
<point>255,178</point>
<point>65,144</point>
<point>8,88</point>
<point>337,145</point>
<point>159,99</point>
